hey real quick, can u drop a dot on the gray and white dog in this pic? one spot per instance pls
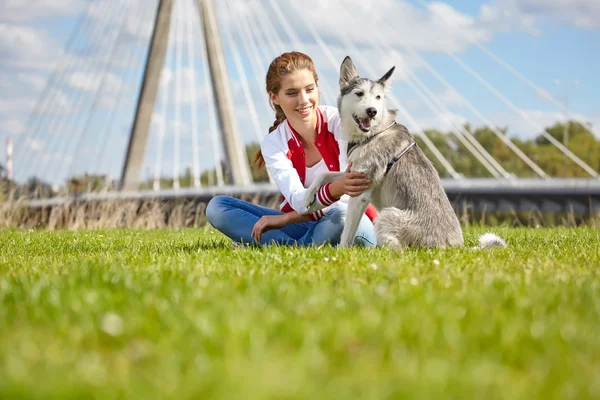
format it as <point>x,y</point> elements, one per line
<point>414,209</point>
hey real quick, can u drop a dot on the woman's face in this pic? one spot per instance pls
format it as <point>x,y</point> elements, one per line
<point>298,96</point>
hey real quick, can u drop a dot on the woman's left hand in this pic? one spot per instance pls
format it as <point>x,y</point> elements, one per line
<point>266,223</point>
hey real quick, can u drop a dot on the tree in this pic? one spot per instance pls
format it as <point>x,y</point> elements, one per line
<point>547,156</point>
<point>580,141</point>
<point>257,176</point>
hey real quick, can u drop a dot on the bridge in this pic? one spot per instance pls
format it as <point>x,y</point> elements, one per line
<point>164,99</point>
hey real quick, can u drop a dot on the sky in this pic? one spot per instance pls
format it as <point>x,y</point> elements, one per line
<point>70,71</point>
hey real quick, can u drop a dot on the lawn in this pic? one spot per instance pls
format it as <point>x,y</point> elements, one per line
<point>180,314</point>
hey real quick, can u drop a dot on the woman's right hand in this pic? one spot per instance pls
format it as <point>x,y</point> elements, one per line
<point>351,183</point>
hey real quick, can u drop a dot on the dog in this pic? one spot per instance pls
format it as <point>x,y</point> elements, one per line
<point>405,187</point>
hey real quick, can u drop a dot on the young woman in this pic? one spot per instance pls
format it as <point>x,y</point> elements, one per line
<point>304,141</point>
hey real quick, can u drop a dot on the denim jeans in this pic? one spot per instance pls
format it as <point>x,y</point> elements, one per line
<point>235,218</point>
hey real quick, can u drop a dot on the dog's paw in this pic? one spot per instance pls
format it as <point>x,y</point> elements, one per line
<point>345,240</point>
<point>310,197</point>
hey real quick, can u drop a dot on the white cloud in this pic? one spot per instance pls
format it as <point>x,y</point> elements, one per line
<point>27,11</point>
<point>581,13</point>
<point>35,81</point>
<point>187,75</point>
<point>61,104</point>
<point>113,89</point>
<point>398,22</point>
<point>171,126</point>
<point>502,18</point>
<point>34,144</point>
<point>13,127</point>
<point>503,15</point>
<point>27,47</point>
<point>16,105</point>
<point>90,82</point>
<point>140,25</point>
<point>450,98</point>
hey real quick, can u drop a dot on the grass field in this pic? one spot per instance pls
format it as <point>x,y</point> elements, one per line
<point>179,314</point>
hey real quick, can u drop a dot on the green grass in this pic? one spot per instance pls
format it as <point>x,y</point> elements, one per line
<point>179,314</point>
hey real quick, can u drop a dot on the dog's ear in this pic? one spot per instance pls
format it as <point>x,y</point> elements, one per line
<point>348,72</point>
<point>384,80</point>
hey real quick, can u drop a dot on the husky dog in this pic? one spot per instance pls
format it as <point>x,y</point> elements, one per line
<point>414,209</point>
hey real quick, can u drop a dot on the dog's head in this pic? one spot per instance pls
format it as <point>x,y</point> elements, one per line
<point>362,104</point>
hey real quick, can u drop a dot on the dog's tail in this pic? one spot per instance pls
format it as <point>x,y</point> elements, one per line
<point>490,240</point>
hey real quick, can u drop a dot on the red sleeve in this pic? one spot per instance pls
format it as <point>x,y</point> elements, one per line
<point>371,212</point>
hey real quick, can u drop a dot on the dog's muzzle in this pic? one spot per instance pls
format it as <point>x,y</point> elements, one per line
<point>364,124</point>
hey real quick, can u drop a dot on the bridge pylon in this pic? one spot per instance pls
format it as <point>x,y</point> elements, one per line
<point>237,168</point>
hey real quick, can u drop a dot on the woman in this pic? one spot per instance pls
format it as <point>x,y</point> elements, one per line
<point>304,141</point>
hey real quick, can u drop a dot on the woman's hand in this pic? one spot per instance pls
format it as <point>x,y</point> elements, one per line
<point>352,184</point>
<point>266,223</point>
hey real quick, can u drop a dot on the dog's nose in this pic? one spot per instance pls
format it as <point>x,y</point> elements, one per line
<point>371,112</point>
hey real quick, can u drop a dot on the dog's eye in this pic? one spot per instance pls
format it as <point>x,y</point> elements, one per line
<point>378,97</point>
<point>360,94</point>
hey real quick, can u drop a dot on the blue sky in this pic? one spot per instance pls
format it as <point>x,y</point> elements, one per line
<point>545,41</point>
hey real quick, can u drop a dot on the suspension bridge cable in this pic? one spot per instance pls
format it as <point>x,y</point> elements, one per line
<point>526,117</point>
<point>135,54</point>
<point>54,126</point>
<point>55,105</point>
<point>488,123</point>
<point>259,64</point>
<point>102,89</point>
<point>467,144</point>
<point>521,113</point>
<point>250,38</point>
<point>61,144</point>
<point>460,132</point>
<point>469,105</point>
<point>270,37</point>
<point>189,18</point>
<point>164,96</point>
<point>438,109</point>
<point>212,118</point>
<point>296,42</point>
<point>44,112</point>
<point>271,50</point>
<point>42,97</point>
<point>243,78</point>
<point>178,61</point>
<point>440,157</point>
<point>324,47</point>
<point>539,91</point>
<point>454,129</point>
<point>167,91</point>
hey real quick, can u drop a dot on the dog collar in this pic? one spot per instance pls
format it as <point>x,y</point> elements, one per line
<point>353,144</point>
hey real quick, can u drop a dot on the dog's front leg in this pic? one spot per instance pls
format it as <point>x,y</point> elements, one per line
<point>311,193</point>
<point>356,209</point>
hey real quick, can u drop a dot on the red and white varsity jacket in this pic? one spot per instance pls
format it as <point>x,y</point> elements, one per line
<point>285,160</point>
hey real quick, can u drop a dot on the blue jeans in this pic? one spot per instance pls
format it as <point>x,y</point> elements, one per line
<point>235,218</point>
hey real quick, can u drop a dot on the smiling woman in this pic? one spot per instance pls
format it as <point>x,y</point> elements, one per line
<point>304,141</point>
